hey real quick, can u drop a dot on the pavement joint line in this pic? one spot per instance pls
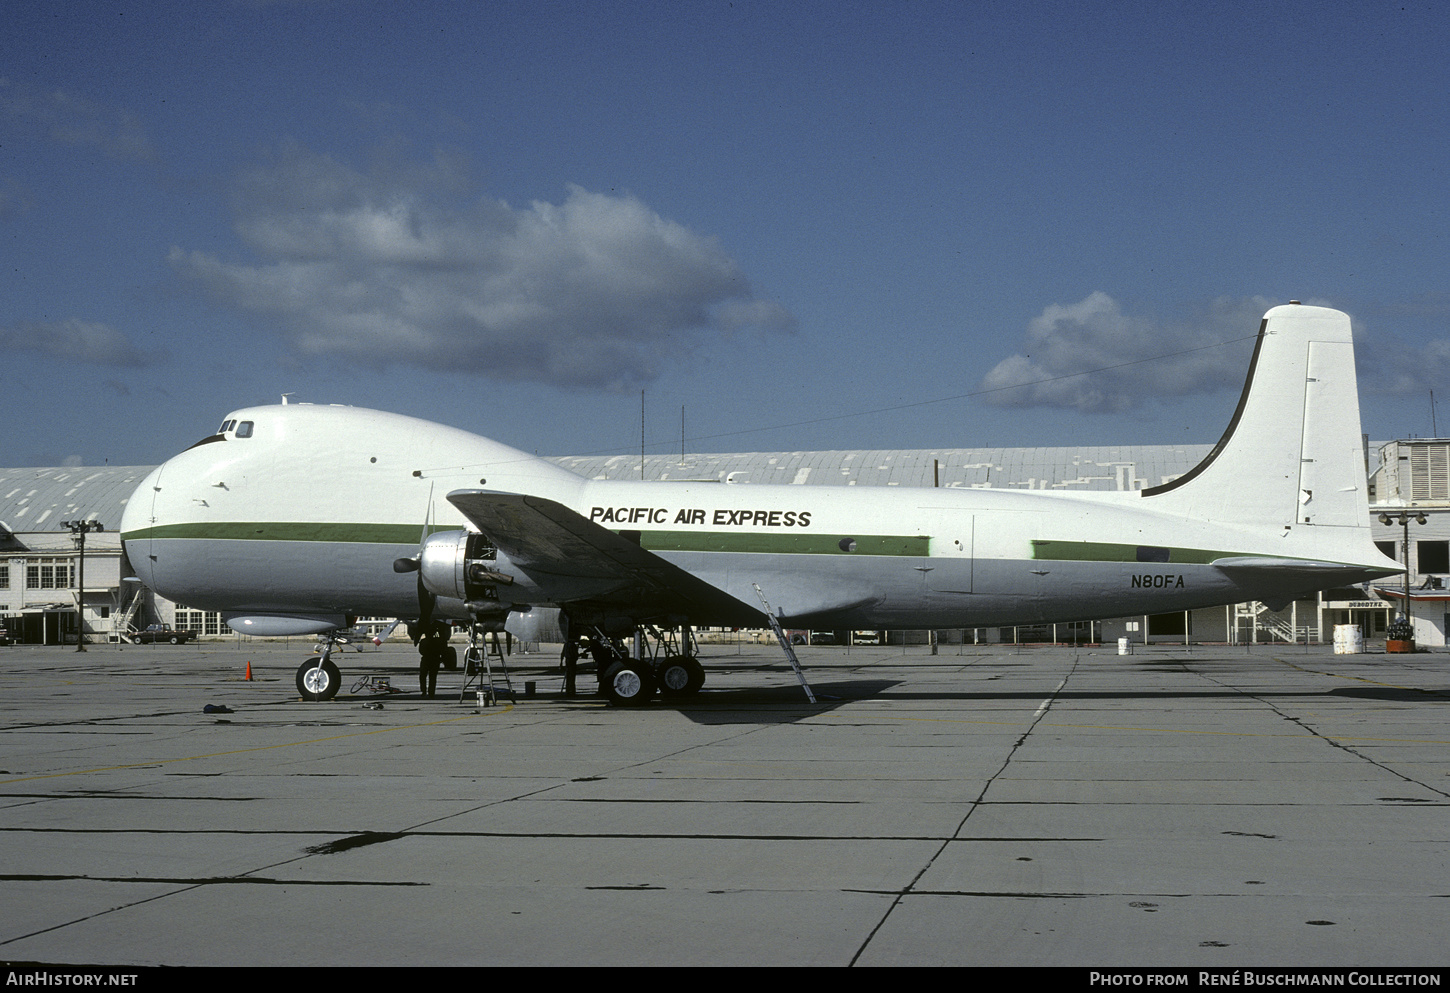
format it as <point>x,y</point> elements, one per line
<point>981,798</point>
<point>1154,730</point>
<point>1334,740</point>
<point>1360,679</point>
<point>258,748</point>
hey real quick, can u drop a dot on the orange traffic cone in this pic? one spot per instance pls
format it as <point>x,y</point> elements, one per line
<point>249,672</point>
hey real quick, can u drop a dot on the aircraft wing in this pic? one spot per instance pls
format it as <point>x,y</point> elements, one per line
<point>577,562</point>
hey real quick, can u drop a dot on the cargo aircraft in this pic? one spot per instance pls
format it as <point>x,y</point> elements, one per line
<point>292,518</point>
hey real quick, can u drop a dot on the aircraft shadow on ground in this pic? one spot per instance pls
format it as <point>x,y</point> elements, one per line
<point>775,704</point>
<point>787,704</point>
<point>1395,694</point>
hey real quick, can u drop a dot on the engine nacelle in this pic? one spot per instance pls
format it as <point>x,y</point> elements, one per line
<point>464,565</point>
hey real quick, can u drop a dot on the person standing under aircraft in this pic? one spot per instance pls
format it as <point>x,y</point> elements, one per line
<point>432,647</point>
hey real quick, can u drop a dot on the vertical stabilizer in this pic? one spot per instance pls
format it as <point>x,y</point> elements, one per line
<point>1292,453</point>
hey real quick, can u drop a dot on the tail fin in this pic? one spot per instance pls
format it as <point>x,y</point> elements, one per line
<point>1292,455</point>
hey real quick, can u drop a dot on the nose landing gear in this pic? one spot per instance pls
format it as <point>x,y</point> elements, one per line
<point>317,678</point>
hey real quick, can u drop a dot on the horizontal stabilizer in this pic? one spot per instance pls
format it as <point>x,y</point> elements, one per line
<point>579,563</point>
<point>1274,565</point>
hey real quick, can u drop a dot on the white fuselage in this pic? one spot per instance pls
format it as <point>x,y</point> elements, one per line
<point>307,511</point>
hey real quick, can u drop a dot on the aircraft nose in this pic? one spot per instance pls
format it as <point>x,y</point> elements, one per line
<point>138,526</point>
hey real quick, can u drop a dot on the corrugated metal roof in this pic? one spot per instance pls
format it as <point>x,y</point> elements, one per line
<point>38,499</point>
<point>1121,467</point>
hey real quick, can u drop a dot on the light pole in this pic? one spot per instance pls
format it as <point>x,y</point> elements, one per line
<point>1404,521</point>
<point>78,530</point>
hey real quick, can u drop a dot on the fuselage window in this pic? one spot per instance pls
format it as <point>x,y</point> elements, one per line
<point>244,429</point>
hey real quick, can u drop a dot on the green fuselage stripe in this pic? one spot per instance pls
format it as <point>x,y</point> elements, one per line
<point>790,543</point>
<point>797,542</point>
<point>1102,551</point>
<point>379,534</point>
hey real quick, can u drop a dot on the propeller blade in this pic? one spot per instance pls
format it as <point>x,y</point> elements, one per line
<point>426,600</point>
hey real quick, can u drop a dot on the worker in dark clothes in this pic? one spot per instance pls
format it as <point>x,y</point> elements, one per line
<point>432,647</point>
<point>571,665</point>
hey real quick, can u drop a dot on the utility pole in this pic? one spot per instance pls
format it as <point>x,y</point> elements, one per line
<point>1403,519</point>
<point>78,530</point>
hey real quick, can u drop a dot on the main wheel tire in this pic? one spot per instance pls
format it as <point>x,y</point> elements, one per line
<point>316,682</point>
<point>680,675</point>
<point>629,683</point>
<point>604,658</point>
<point>450,658</point>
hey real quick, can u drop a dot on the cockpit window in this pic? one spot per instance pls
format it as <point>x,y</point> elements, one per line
<point>244,429</point>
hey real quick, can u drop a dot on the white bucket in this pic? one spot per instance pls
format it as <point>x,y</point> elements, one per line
<point>1125,647</point>
<point>1348,639</point>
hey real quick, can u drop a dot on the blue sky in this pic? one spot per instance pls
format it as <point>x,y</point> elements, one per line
<point>797,221</point>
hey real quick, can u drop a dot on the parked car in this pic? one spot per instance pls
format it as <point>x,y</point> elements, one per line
<point>4,636</point>
<point>160,632</point>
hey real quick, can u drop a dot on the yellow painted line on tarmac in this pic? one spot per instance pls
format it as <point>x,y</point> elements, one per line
<point>259,748</point>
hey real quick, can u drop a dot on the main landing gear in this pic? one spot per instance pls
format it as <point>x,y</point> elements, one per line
<point>663,662</point>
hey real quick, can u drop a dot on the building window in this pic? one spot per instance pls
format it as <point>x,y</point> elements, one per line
<point>1388,547</point>
<point>1432,556</point>
<point>4,577</point>
<point>200,621</point>
<point>48,575</point>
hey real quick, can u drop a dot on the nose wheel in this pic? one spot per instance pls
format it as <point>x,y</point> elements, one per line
<point>318,679</point>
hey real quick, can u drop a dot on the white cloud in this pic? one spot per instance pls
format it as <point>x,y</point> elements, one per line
<point>399,264</point>
<point>1095,336</point>
<point>74,340</point>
